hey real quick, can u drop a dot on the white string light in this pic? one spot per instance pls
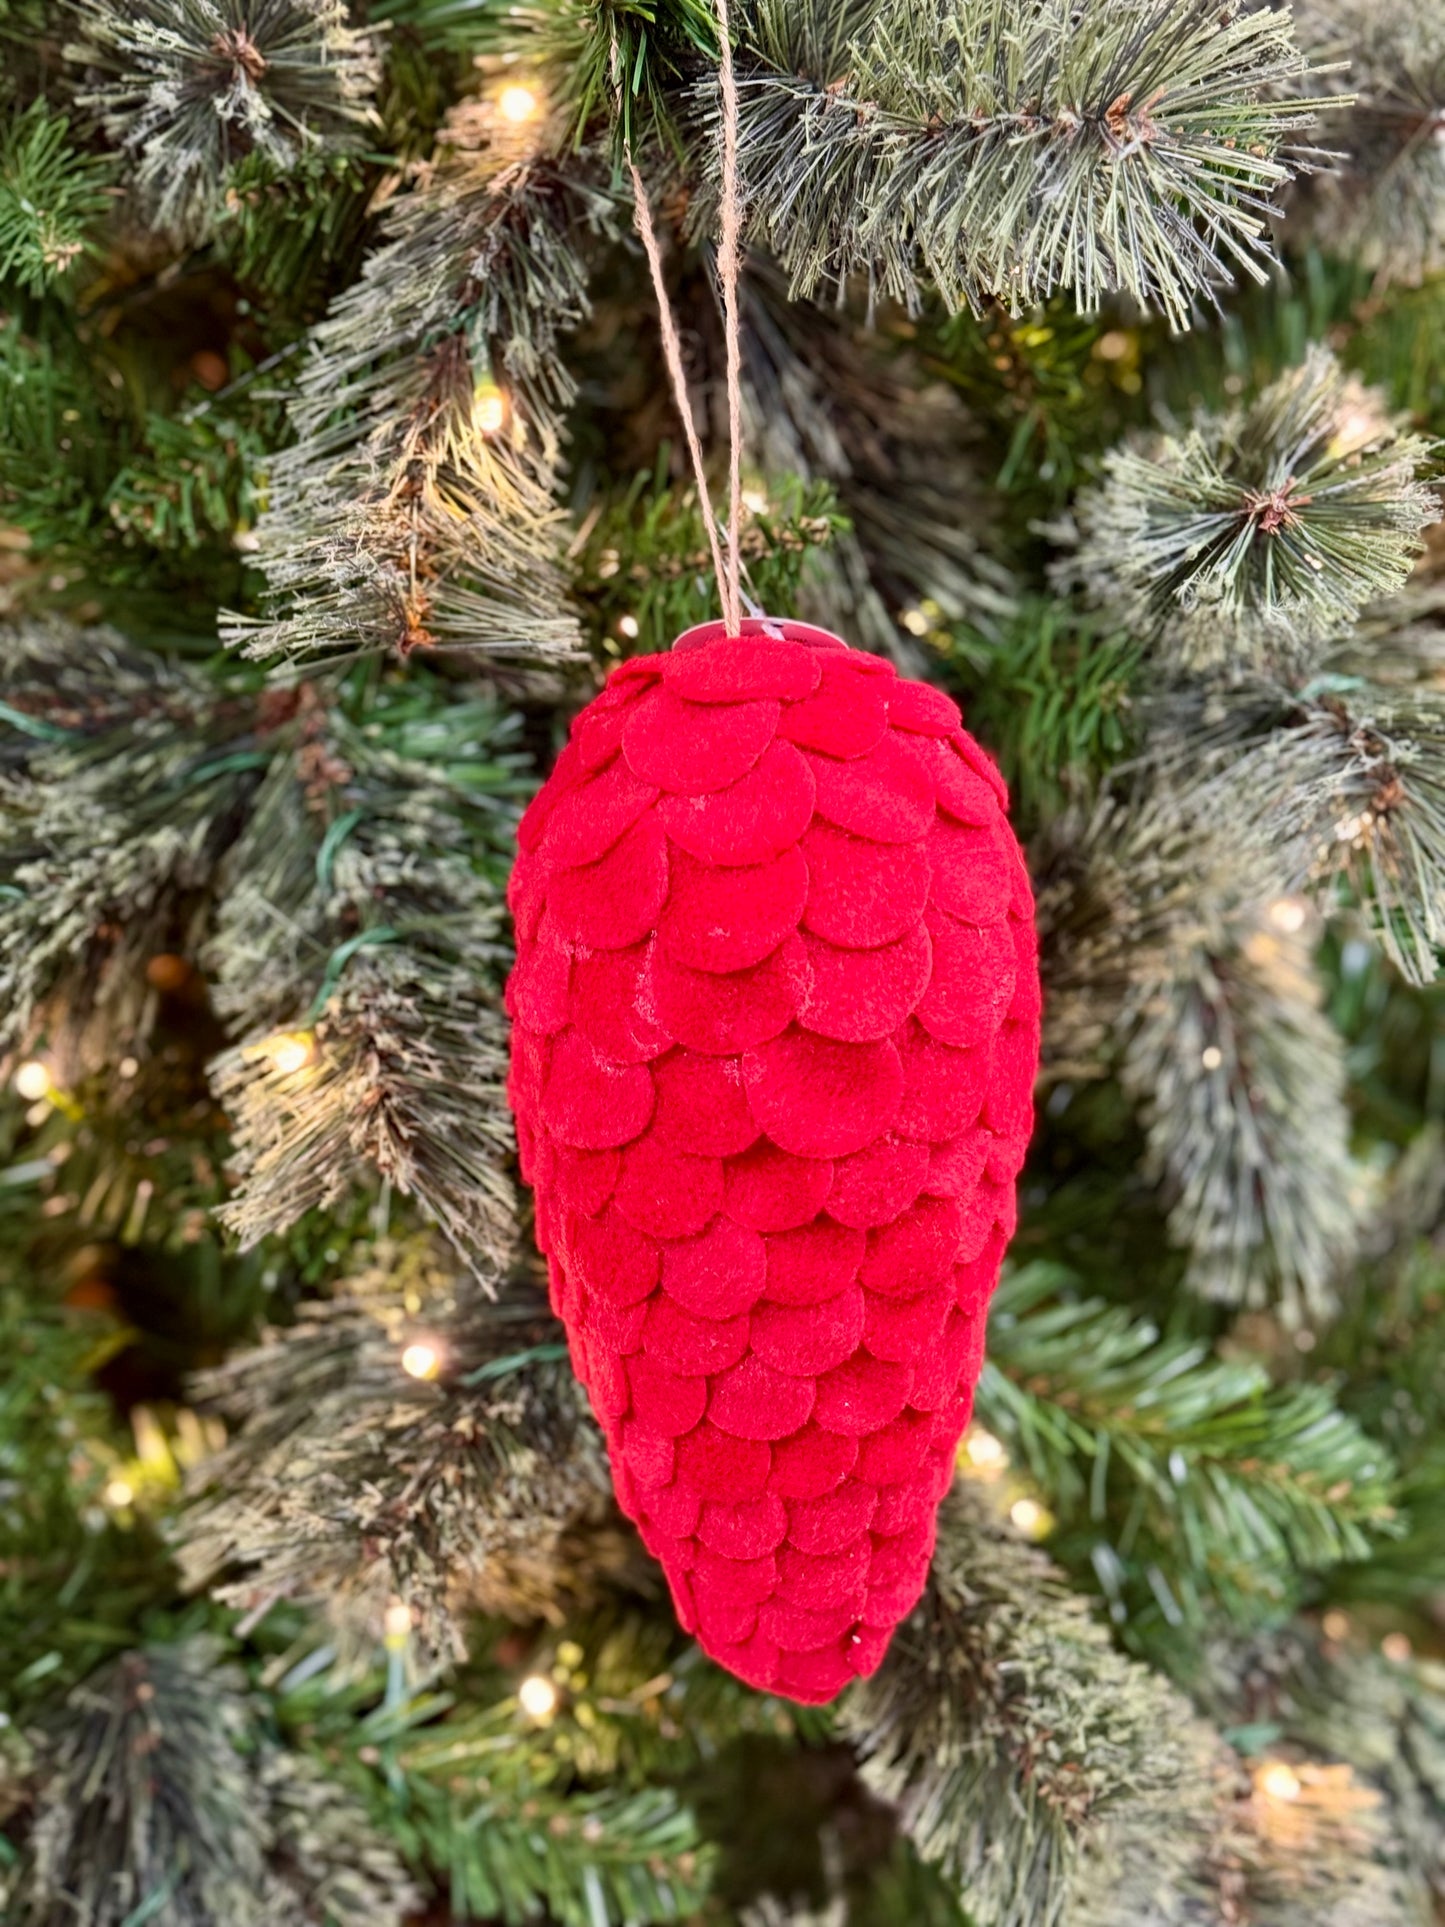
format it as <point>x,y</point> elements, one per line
<point>537,1697</point>
<point>33,1081</point>
<point>489,408</point>
<point>983,1450</point>
<point>1029,1518</point>
<point>421,1359</point>
<point>1277,1780</point>
<point>1288,914</point>
<point>287,1051</point>
<point>518,104</point>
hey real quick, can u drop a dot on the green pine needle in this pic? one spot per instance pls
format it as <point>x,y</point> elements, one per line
<point>1382,202</point>
<point>500,1813</point>
<point>1254,535</point>
<point>1003,149</point>
<point>1186,1479</point>
<point>189,88</point>
<point>666,585</point>
<point>617,60</point>
<point>162,1797</point>
<point>51,198</point>
<point>1055,700</point>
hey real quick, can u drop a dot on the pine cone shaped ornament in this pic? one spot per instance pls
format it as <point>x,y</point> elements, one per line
<point>776,1024</point>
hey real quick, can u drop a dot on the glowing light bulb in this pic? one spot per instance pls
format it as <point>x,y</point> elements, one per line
<point>1211,1057</point>
<point>1396,1647</point>
<point>1356,429</point>
<point>518,104</point>
<point>1029,1517</point>
<point>1288,914</point>
<point>629,626</point>
<point>984,1450</point>
<point>489,408</point>
<point>290,1051</point>
<point>915,622</point>
<point>421,1360</point>
<point>119,1492</point>
<point>537,1697</point>
<point>1278,1781</point>
<point>396,1623</point>
<point>32,1080</point>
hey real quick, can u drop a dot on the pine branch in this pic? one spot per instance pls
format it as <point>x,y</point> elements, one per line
<point>403,1073</point>
<point>1346,773</point>
<point>119,497</point>
<point>584,1858</point>
<point>1357,781</point>
<point>29,50</point>
<point>1006,1729</point>
<point>349,846</point>
<point>1383,200</point>
<point>109,831</point>
<point>415,508</point>
<point>1162,1865</point>
<point>1186,1479</point>
<point>645,568</point>
<point>1175,956</point>
<point>194,481</point>
<point>617,59</point>
<point>1001,149</point>
<point>1389,1347</point>
<point>1052,386</point>
<point>187,88</point>
<point>357,952</point>
<point>386,814</point>
<point>1343,1825</point>
<point>1055,700</point>
<point>1387,1718</point>
<point>57,435</point>
<point>73,1579</point>
<point>160,1796</point>
<point>1253,536</point>
<point>640,1705</point>
<point>1399,644</point>
<point>1098,904</point>
<point>290,241</point>
<point>51,197</point>
<point>1241,1078</point>
<point>507,1829</point>
<point>473,1783</point>
<point>350,1483</point>
<point>824,401</point>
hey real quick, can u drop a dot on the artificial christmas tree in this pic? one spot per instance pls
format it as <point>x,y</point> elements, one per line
<point>1081,366</point>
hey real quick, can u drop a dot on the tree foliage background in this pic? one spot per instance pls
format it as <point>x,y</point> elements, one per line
<point>1094,367</point>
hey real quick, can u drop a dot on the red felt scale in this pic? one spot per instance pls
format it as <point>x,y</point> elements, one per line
<point>776,1024</point>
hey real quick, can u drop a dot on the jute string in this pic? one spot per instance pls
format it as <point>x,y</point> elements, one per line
<point>727,566</point>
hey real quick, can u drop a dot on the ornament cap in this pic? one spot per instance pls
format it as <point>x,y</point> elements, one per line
<point>779,628</point>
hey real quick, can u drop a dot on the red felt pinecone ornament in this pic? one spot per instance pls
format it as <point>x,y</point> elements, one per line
<point>776,1023</point>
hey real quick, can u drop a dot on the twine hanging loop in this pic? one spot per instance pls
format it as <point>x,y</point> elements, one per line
<point>727,564</point>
